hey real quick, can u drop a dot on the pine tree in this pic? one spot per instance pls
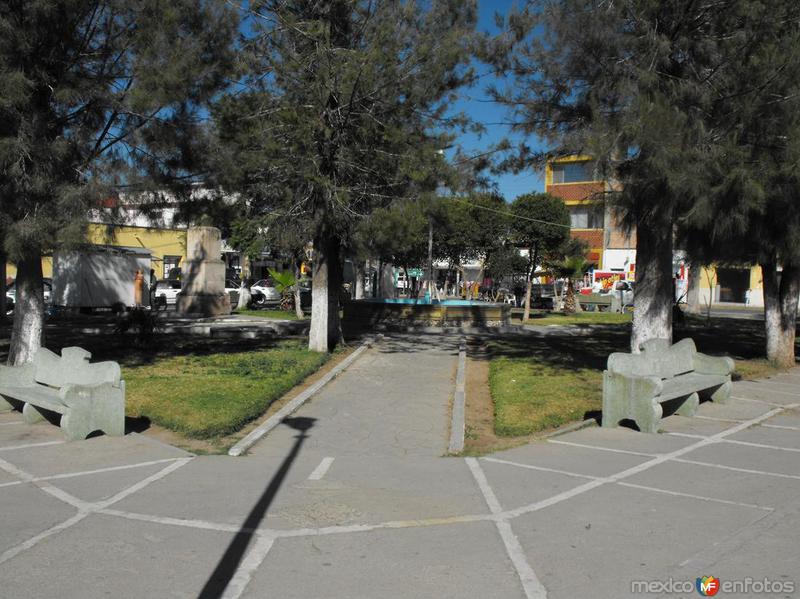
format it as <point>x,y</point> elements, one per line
<point>749,209</point>
<point>342,108</point>
<point>627,82</point>
<point>95,93</point>
<point>540,225</point>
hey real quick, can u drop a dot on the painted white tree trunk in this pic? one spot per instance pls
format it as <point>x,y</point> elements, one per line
<point>652,314</point>
<point>780,312</point>
<point>298,308</point>
<point>324,330</point>
<point>3,306</point>
<point>244,297</point>
<point>26,334</point>
<point>360,281</point>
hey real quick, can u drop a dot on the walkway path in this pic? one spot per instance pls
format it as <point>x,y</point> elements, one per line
<point>353,499</point>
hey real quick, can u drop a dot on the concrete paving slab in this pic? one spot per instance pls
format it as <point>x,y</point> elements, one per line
<point>104,556</point>
<point>98,452</point>
<point>5,477</point>
<point>717,483</point>
<point>753,458</point>
<point>515,487</point>
<point>752,390</point>
<point>693,426</point>
<point>102,485</point>
<point>786,418</point>
<point>393,401</point>
<point>787,378</point>
<point>595,544</point>
<point>29,434</point>
<point>770,436</point>
<point>625,439</point>
<point>219,489</point>
<point>571,459</point>
<point>11,417</point>
<point>454,561</point>
<point>767,549</point>
<point>372,490</point>
<point>27,511</point>
<point>735,409</point>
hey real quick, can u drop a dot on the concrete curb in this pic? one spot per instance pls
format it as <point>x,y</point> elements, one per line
<point>569,428</point>
<point>274,420</point>
<point>458,418</point>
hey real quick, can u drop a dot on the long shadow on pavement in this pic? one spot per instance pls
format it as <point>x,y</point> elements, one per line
<point>229,563</point>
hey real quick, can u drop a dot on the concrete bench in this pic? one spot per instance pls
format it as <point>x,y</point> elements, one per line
<point>89,397</point>
<point>635,385</point>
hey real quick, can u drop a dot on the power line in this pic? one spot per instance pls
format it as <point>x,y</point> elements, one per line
<point>509,214</point>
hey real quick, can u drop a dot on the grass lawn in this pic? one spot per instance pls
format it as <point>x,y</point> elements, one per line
<point>532,396</point>
<point>542,382</point>
<point>548,318</point>
<point>275,314</point>
<point>210,395</point>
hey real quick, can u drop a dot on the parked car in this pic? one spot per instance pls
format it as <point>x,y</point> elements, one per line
<point>264,293</point>
<point>11,293</point>
<point>166,293</point>
<point>627,289</point>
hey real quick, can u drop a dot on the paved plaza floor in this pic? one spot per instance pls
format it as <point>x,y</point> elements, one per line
<point>352,497</point>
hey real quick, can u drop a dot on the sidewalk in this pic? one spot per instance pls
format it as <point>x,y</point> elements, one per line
<point>352,499</point>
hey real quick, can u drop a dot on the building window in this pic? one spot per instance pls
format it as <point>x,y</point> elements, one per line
<point>171,270</point>
<point>586,217</point>
<point>573,172</point>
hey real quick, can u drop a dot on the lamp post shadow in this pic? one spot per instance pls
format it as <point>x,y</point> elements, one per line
<point>226,568</point>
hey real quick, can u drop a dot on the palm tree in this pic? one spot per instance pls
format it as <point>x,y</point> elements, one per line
<point>572,268</point>
<point>284,283</point>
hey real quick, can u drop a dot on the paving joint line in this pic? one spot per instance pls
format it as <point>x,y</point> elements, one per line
<point>531,585</point>
<point>84,508</point>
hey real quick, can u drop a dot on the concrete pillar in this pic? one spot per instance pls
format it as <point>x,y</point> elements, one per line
<point>203,290</point>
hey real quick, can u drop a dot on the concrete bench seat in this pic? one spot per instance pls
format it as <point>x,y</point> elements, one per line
<point>635,385</point>
<point>89,397</point>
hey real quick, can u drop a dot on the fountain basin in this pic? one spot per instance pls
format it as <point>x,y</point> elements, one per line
<point>368,313</point>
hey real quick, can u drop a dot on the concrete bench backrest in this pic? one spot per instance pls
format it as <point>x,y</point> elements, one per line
<point>73,368</point>
<point>658,358</point>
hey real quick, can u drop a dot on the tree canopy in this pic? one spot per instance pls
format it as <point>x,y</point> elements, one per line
<point>97,96</point>
<point>342,108</point>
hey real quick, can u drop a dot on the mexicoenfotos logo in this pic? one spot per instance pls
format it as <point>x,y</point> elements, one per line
<point>707,586</point>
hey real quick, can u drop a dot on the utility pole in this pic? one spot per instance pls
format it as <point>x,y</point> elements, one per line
<point>430,258</point>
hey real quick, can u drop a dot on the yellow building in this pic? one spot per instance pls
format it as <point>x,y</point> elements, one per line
<point>731,285</point>
<point>167,246</point>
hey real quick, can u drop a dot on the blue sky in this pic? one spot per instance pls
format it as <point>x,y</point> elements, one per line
<point>479,107</point>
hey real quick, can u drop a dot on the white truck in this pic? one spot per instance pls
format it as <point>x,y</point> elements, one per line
<point>100,277</point>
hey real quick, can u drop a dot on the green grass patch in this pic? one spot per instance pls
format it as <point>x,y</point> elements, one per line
<point>209,396</point>
<point>747,370</point>
<point>545,318</point>
<point>531,396</point>
<point>272,314</point>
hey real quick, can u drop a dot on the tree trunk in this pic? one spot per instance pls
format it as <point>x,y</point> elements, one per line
<point>526,313</point>
<point>298,309</point>
<point>571,304</point>
<point>652,314</point>
<point>244,296</point>
<point>360,280</point>
<point>324,330</point>
<point>26,334</point>
<point>3,304</point>
<point>780,312</point>
<point>556,297</point>
<point>532,257</point>
<point>693,294</point>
